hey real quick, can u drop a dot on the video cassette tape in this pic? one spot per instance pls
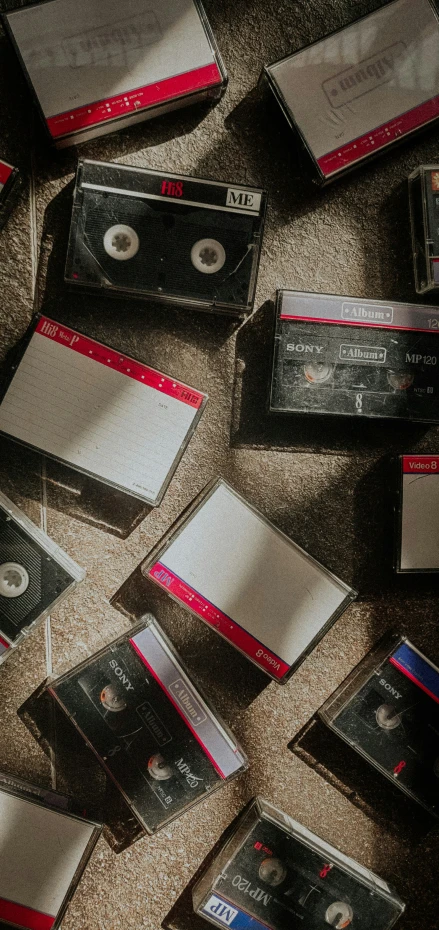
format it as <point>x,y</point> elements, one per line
<point>356,92</point>
<point>227,564</point>
<point>388,711</point>
<point>95,68</point>
<point>151,234</point>
<point>44,852</point>
<point>158,739</point>
<point>347,356</point>
<point>9,187</point>
<point>417,514</point>
<point>424,217</point>
<point>35,576</point>
<point>273,873</point>
<point>99,411</point>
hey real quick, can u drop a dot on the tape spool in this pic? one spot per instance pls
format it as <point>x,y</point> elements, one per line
<point>400,380</point>
<point>121,242</point>
<point>208,256</point>
<point>318,372</point>
<point>14,579</point>
<point>272,871</point>
<point>387,717</point>
<point>112,700</point>
<point>339,915</point>
<point>158,768</point>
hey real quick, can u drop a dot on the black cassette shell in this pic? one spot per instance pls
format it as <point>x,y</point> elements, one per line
<point>168,217</point>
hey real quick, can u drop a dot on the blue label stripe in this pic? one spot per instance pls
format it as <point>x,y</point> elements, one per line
<point>222,913</point>
<point>417,668</point>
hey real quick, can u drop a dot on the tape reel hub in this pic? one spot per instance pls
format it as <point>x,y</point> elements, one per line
<point>121,242</point>
<point>208,256</point>
<point>14,579</point>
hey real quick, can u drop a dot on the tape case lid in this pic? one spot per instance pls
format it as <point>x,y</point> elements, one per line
<point>417,548</point>
<point>152,731</point>
<point>35,576</point>
<point>170,238</point>
<point>360,89</point>
<point>226,563</point>
<point>387,709</point>
<point>94,69</point>
<point>115,418</point>
<point>272,870</point>
<point>44,852</point>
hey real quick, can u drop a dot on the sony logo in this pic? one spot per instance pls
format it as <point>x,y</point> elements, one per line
<point>120,674</point>
<point>388,687</point>
<point>246,200</point>
<point>305,349</point>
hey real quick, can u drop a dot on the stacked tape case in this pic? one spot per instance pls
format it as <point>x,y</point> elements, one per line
<point>43,854</point>
<point>167,237</point>
<point>388,711</point>
<point>360,90</point>
<point>227,564</point>
<point>424,216</point>
<point>35,576</point>
<point>95,68</point>
<point>350,357</point>
<point>272,872</point>
<point>115,418</point>
<point>157,738</point>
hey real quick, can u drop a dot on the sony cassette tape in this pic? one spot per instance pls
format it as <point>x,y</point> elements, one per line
<point>95,68</point>
<point>157,738</point>
<point>115,419</point>
<point>227,564</point>
<point>10,183</point>
<point>358,91</point>
<point>424,217</point>
<point>417,514</point>
<point>388,711</point>
<point>352,357</point>
<point>35,576</point>
<point>274,873</point>
<point>152,234</point>
<point>45,850</point>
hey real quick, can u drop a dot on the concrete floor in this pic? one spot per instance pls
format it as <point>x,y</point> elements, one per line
<point>327,488</point>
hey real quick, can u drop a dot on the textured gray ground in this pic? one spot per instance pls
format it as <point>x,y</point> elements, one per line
<point>328,489</point>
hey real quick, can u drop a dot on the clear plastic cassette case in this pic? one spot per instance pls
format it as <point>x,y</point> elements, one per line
<point>424,218</point>
<point>357,92</point>
<point>388,711</point>
<point>157,738</point>
<point>10,185</point>
<point>167,237</point>
<point>348,356</point>
<point>45,850</point>
<point>35,576</point>
<point>116,419</point>
<point>227,564</point>
<point>274,873</point>
<point>96,68</point>
<point>417,514</point>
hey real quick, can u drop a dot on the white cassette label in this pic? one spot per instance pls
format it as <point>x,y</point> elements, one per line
<point>245,200</point>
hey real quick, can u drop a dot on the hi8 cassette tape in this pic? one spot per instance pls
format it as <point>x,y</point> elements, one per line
<point>388,711</point>
<point>162,236</point>
<point>35,576</point>
<point>417,514</point>
<point>274,873</point>
<point>44,852</point>
<point>345,356</point>
<point>226,563</point>
<point>158,739</point>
